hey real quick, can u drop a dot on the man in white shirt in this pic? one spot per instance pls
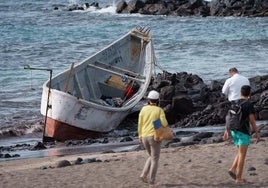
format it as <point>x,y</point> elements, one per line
<point>232,85</point>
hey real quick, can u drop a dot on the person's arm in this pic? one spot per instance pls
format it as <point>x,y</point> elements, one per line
<point>139,127</point>
<point>225,88</point>
<point>163,118</point>
<point>226,135</point>
<point>254,127</point>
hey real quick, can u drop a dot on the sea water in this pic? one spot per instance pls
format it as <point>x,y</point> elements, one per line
<point>35,33</point>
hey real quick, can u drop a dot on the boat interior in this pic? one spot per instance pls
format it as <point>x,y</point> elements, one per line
<point>110,89</point>
<point>106,76</point>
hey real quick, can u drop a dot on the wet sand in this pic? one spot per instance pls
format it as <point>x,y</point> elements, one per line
<point>189,166</point>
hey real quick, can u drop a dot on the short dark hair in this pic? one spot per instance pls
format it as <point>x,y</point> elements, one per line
<point>233,69</point>
<point>245,90</point>
<point>154,101</point>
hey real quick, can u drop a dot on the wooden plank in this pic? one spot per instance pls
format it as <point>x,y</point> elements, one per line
<point>68,78</point>
<point>79,87</point>
<point>116,81</point>
<point>134,74</point>
<point>113,72</point>
<point>88,82</point>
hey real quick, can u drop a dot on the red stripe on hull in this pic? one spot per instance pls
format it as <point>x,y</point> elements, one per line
<point>56,130</point>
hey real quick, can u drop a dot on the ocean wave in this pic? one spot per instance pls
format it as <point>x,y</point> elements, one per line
<point>25,129</point>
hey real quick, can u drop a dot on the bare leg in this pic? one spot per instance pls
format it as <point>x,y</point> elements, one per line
<point>234,165</point>
<point>242,151</point>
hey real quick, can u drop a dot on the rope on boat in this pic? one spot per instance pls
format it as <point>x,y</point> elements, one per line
<point>157,64</point>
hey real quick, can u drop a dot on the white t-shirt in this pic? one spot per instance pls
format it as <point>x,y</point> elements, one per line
<point>232,86</point>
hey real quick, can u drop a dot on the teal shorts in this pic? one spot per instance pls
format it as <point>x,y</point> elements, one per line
<point>240,139</point>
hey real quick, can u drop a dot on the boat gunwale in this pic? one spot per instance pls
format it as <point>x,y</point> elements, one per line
<point>95,104</point>
<point>100,51</point>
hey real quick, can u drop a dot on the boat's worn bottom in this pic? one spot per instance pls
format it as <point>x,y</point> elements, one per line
<point>56,130</point>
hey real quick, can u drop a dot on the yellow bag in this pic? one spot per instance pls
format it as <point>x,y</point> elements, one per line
<point>161,132</point>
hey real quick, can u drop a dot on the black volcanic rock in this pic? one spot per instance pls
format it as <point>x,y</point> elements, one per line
<point>189,102</point>
<point>255,8</point>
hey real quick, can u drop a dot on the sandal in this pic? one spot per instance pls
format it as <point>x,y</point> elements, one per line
<point>233,175</point>
<point>143,179</point>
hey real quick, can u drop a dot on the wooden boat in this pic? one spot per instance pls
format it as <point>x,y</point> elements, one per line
<point>90,97</point>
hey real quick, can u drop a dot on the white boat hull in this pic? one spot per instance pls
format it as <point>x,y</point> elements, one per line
<point>79,108</point>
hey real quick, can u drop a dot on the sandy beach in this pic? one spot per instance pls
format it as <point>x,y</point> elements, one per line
<point>188,166</point>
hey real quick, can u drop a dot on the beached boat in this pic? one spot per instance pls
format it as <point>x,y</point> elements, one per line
<point>95,95</point>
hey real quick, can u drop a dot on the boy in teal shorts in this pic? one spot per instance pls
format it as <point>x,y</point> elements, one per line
<point>241,137</point>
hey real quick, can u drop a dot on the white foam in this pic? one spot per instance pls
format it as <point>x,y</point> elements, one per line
<point>72,2</point>
<point>109,9</point>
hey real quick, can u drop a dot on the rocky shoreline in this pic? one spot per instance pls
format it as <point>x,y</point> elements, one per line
<point>252,8</point>
<point>187,102</point>
<point>203,8</point>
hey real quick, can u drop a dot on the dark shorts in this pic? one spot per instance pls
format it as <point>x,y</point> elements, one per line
<point>240,139</point>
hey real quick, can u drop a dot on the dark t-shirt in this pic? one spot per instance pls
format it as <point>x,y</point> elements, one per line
<point>247,109</point>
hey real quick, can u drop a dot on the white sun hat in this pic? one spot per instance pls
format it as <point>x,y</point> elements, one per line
<point>153,95</point>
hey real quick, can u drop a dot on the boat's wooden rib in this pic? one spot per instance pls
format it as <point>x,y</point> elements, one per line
<point>134,74</point>
<point>113,72</point>
<point>88,82</point>
<point>81,89</point>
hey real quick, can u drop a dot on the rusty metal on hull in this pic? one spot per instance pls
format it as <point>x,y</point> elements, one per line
<point>56,130</point>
